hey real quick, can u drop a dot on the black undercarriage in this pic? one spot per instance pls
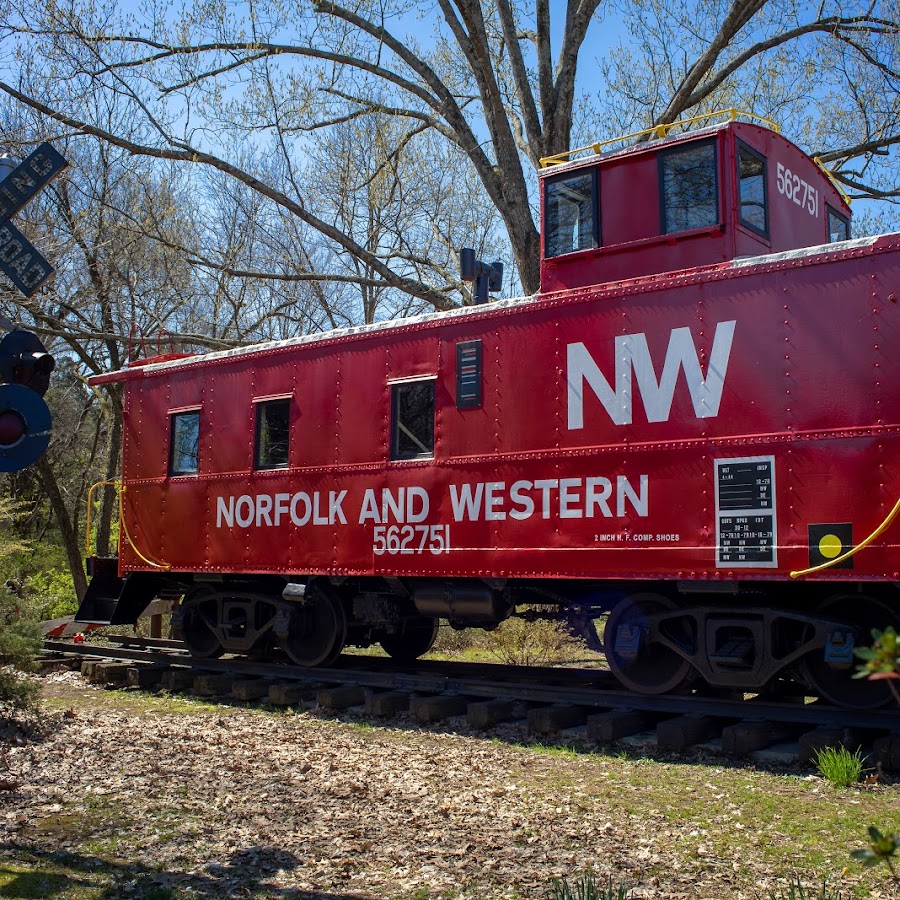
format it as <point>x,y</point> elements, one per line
<point>658,637</point>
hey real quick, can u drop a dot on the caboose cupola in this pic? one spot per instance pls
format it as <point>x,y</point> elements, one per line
<point>673,202</point>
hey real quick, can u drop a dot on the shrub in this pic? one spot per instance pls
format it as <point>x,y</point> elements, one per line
<point>50,594</point>
<point>454,640</point>
<point>20,641</point>
<point>881,661</point>
<point>517,642</point>
<point>20,637</point>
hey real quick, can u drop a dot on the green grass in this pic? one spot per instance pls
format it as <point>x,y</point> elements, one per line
<point>797,890</point>
<point>21,882</point>
<point>63,876</point>
<point>587,887</point>
<point>838,766</point>
<point>162,703</point>
<point>782,823</point>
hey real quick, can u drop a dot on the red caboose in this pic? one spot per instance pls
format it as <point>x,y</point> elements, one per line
<point>690,428</point>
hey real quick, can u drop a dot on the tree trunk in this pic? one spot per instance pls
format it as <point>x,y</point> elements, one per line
<point>67,531</point>
<point>527,249</point>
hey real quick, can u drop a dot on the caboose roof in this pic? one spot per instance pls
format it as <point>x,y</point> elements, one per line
<point>653,138</point>
<point>483,310</point>
<point>551,167</point>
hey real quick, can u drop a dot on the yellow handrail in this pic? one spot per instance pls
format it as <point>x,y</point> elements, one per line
<point>846,198</point>
<point>120,489</point>
<point>853,550</point>
<point>90,503</point>
<point>659,130</point>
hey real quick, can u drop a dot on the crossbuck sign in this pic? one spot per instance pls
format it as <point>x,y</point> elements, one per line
<point>19,260</point>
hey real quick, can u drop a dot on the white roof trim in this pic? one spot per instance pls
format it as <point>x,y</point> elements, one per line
<point>466,311</point>
<point>834,247</point>
<point>461,312</point>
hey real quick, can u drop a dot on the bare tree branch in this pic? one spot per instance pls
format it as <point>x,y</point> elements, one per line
<point>191,155</point>
<point>848,153</point>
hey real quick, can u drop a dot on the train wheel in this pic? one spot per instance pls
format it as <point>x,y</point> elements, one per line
<point>317,631</point>
<point>862,613</point>
<point>263,649</point>
<point>201,617</point>
<point>416,639</point>
<point>633,651</point>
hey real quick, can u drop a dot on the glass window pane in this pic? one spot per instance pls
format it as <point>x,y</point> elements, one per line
<point>273,431</point>
<point>413,420</point>
<point>689,188</point>
<point>185,458</point>
<point>752,190</point>
<point>569,211</point>
<point>838,226</point>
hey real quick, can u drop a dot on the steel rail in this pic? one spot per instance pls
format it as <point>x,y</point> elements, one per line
<point>529,685</point>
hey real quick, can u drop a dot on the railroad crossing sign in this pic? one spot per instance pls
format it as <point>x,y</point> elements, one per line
<point>19,260</point>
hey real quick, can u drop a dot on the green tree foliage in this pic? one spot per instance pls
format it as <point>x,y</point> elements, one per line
<point>883,848</point>
<point>20,638</point>
<point>881,661</point>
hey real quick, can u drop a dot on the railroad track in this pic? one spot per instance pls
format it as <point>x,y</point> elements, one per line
<point>567,705</point>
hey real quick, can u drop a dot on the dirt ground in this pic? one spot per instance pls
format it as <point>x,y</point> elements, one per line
<point>134,795</point>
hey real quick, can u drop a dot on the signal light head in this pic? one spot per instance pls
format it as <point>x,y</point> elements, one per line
<point>12,428</point>
<point>33,370</point>
<point>25,427</point>
<point>24,360</point>
<point>25,421</point>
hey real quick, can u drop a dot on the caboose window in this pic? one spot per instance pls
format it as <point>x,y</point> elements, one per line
<point>184,456</point>
<point>571,221</point>
<point>838,226</point>
<point>752,190</point>
<point>412,420</point>
<point>273,431</point>
<point>689,186</point>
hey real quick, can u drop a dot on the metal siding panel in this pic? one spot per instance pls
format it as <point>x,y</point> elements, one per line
<point>361,414</point>
<point>146,431</point>
<point>465,431</point>
<point>319,406</point>
<point>621,182</point>
<point>791,224</point>
<point>809,382</point>
<point>227,418</point>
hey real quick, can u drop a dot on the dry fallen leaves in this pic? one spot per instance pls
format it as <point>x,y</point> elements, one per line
<point>242,802</point>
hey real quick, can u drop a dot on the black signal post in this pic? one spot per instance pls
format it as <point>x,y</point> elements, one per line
<point>487,276</point>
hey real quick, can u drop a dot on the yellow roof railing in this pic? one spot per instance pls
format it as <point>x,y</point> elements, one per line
<point>659,131</point>
<point>837,185</point>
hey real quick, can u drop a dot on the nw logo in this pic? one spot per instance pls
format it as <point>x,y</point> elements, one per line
<point>633,355</point>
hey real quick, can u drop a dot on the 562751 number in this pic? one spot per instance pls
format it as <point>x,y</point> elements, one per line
<point>405,540</point>
<point>795,188</point>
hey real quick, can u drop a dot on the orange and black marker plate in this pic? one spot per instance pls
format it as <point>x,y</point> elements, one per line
<point>828,542</point>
